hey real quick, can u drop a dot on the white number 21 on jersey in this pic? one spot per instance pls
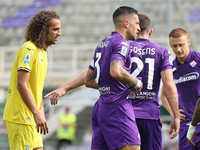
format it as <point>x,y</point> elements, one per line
<point>140,66</point>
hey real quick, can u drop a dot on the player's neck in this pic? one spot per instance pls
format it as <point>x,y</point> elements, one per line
<point>122,32</point>
<point>143,36</point>
<point>183,59</point>
<point>45,46</point>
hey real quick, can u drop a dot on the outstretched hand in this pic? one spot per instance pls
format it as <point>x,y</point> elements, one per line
<point>175,126</point>
<point>55,95</point>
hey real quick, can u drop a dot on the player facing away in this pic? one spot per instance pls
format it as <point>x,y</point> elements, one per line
<point>24,111</point>
<point>113,119</point>
<point>152,62</point>
<point>186,70</point>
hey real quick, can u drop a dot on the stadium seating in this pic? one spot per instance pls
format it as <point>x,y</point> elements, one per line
<point>24,14</point>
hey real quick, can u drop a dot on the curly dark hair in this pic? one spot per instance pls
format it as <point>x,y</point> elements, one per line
<point>38,27</point>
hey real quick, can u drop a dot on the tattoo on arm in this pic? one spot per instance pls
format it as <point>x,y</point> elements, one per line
<point>126,76</point>
<point>165,76</point>
<point>91,80</point>
<point>171,96</point>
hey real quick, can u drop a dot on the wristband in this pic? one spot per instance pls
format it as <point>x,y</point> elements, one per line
<point>138,84</point>
<point>190,132</point>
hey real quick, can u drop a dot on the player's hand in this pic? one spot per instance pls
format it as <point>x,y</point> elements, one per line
<point>175,126</point>
<point>41,123</point>
<point>55,95</point>
<point>182,116</point>
<point>137,90</point>
<point>191,133</point>
<point>190,141</point>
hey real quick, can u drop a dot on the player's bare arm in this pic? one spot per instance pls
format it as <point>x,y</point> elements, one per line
<point>165,102</point>
<point>90,80</point>
<point>119,73</point>
<point>172,97</point>
<point>22,86</point>
<point>56,94</point>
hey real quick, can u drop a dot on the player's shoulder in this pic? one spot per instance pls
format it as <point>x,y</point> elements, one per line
<point>195,56</point>
<point>28,46</point>
<point>117,38</point>
<point>195,53</point>
<point>106,42</point>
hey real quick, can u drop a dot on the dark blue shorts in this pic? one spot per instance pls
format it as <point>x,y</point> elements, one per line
<point>150,134</point>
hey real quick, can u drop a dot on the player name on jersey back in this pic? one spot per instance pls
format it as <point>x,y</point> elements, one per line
<point>144,51</point>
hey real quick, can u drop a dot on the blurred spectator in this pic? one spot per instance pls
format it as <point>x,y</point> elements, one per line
<point>67,129</point>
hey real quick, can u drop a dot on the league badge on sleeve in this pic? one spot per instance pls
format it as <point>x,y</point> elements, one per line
<point>123,51</point>
<point>27,58</point>
<point>170,60</point>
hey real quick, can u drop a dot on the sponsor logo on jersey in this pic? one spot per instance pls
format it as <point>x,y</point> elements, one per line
<point>123,50</point>
<point>104,90</point>
<point>29,49</point>
<point>124,43</point>
<point>142,95</point>
<point>41,60</point>
<point>174,69</point>
<point>187,77</point>
<point>193,63</point>
<point>28,147</point>
<point>27,59</point>
<point>103,44</point>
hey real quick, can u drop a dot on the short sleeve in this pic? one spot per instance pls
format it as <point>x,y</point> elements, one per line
<point>167,60</point>
<point>92,65</point>
<point>120,52</point>
<point>26,58</point>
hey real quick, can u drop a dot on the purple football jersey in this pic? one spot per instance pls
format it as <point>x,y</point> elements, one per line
<point>186,78</point>
<point>148,60</point>
<point>113,47</point>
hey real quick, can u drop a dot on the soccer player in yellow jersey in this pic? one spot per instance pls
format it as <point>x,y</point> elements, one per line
<point>24,111</point>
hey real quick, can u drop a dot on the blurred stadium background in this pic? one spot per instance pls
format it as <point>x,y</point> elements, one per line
<point>84,24</point>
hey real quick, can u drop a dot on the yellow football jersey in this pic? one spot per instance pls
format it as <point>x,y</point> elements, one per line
<point>33,60</point>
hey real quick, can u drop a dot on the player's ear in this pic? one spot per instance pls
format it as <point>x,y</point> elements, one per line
<point>150,32</point>
<point>126,23</point>
<point>189,42</point>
